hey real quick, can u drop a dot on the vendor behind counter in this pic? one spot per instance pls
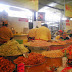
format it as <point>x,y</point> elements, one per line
<point>5,33</point>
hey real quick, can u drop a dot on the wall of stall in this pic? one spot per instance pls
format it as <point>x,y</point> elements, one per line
<point>19,26</point>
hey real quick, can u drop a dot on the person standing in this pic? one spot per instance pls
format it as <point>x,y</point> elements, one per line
<point>5,33</point>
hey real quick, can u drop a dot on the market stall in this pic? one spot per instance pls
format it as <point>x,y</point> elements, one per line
<point>44,60</point>
<point>32,47</point>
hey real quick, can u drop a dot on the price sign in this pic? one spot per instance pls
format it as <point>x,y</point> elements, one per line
<point>20,68</point>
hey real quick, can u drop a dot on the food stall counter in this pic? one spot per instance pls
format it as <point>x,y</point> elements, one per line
<point>20,36</point>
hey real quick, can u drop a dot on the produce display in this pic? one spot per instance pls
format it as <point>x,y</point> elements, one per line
<point>32,32</point>
<point>43,33</point>
<point>6,65</point>
<point>70,70</point>
<point>53,53</point>
<point>56,43</point>
<point>12,48</point>
<point>68,41</point>
<point>68,49</point>
<point>61,42</point>
<point>38,43</point>
<point>33,59</point>
<point>67,69</point>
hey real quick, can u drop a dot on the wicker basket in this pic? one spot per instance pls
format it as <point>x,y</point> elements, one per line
<point>56,47</point>
<point>38,48</point>
<point>11,57</point>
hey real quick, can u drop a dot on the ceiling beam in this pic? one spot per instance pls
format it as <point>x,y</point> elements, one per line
<point>55,2</point>
<point>51,7</point>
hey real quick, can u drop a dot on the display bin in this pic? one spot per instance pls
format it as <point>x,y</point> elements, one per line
<point>11,58</point>
<point>56,47</point>
<point>57,62</point>
<point>37,49</point>
<point>24,41</point>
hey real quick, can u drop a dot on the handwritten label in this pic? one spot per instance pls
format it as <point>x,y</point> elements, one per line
<point>20,68</point>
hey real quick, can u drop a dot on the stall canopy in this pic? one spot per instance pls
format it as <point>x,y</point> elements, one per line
<point>38,4</point>
<point>30,4</point>
<point>68,10</point>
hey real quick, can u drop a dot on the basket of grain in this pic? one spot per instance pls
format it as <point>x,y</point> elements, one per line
<point>54,57</point>
<point>38,45</point>
<point>56,47</point>
<point>12,49</point>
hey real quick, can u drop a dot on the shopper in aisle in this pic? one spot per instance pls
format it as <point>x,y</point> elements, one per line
<point>5,33</point>
<point>64,36</point>
<point>60,32</point>
<point>43,33</point>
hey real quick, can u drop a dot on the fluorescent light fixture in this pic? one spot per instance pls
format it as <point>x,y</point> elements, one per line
<point>24,9</point>
<point>20,14</point>
<point>4,7</point>
<point>52,4</point>
<point>70,18</point>
<point>64,18</point>
<point>54,25</point>
<point>25,13</point>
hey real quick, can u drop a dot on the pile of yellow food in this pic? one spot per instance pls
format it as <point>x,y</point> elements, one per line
<point>12,48</point>
<point>43,33</point>
<point>38,43</point>
<point>61,42</point>
<point>58,42</point>
<point>55,43</point>
<point>41,43</point>
<point>53,53</point>
<point>32,32</point>
<point>68,41</point>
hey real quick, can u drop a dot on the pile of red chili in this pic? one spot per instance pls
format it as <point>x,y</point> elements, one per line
<point>6,65</point>
<point>68,49</point>
<point>33,59</point>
